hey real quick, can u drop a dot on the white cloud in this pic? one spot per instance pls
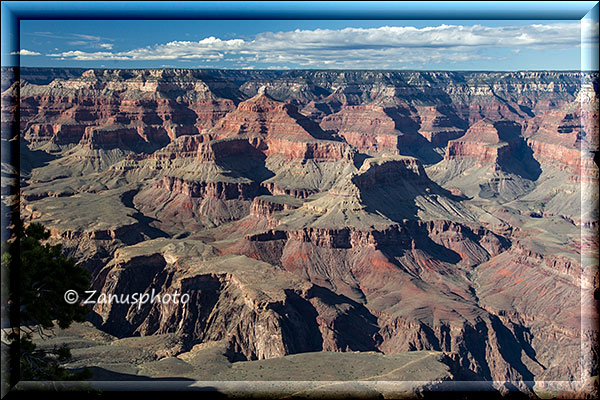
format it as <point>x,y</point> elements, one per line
<point>85,56</point>
<point>91,38</point>
<point>589,32</point>
<point>384,47</point>
<point>25,52</point>
<point>77,39</point>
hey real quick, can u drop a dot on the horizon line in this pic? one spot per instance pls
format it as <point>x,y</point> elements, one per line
<point>305,69</point>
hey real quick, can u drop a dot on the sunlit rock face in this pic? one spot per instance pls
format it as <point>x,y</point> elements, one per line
<point>310,211</point>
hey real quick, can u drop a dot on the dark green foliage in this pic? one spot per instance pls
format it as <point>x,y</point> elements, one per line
<point>44,275</point>
<point>44,365</point>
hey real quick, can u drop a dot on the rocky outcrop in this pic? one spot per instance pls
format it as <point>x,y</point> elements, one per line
<point>326,150</point>
<point>59,133</point>
<point>358,119</point>
<point>487,142</point>
<point>376,110</point>
<point>219,190</point>
<point>203,149</point>
<point>565,136</point>
<point>276,190</point>
<point>559,155</point>
<point>376,172</point>
<point>222,306</point>
<point>560,264</point>
<point>186,147</point>
<point>373,127</point>
<point>308,211</point>
<point>439,124</point>
<point>192,205</point>
<point>258,322</point>
<point>472,245</point>
<point>265,117</point>
<point>266,206</point>
<point>368,142</point>
<point>158,105</point>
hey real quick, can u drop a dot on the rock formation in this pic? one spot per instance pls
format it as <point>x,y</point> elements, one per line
<point>327,211</point>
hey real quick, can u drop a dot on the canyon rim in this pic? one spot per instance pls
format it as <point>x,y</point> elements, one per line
<point>352,229</point>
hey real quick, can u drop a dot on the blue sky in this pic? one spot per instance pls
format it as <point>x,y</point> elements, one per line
<point>252,44</point>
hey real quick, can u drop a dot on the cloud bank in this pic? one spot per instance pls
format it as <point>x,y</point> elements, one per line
<point>383,47</point>
<point>25,52</point>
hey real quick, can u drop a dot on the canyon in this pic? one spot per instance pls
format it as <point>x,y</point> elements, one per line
<point>452,215</point>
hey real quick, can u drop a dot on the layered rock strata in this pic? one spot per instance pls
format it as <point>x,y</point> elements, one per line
<point>309,211</point>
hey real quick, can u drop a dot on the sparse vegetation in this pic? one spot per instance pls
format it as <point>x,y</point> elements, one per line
<point>44,274</point>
